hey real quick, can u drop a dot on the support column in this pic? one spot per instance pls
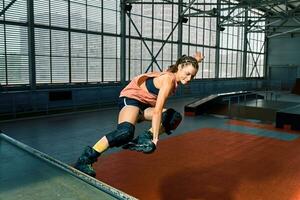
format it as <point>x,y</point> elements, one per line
<point>69,41</point>
<point>245,45</point>
<point>179,47</point>
<point>217,55</point>
<point>123,43</point>
<point>266,70</point>
<point>31,45</point>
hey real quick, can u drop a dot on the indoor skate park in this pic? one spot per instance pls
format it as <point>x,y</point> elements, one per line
<point>63,64</point>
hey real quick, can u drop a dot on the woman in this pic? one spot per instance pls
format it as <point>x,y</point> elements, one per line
<point>144,99</point>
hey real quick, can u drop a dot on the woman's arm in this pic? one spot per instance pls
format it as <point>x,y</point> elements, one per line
<point>165,89</point>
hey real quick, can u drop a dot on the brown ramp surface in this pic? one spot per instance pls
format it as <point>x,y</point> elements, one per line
<point>208,164</point>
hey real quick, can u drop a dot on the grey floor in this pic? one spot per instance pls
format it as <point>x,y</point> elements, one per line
<point>24,175</point>
<point>64,136</point>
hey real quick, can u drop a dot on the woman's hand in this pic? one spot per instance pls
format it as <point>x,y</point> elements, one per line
<point>198,56</point>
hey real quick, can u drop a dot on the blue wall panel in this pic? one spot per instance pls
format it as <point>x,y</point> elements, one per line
<point>13,103</point>
<point>284,58</point>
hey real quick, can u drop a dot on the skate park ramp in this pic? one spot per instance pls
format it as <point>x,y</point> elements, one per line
<point>225,162</point>
<point>296,87</point>
<point>218,102</point>
<point>26,173</point>
<point>248,105</point>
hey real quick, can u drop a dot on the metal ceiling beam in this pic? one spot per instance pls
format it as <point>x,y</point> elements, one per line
<point>7,7</point>
<point>261,5</point>
<point>283,33</point>
<point>266,27</point>
<point>175,3</point>
<point>296,20</point>
<point>188,6</point>
<point>230,18</point>
<point>289,15</point>
<point>247,8</point>
<point>283,10</point>
<point>152,3</point>
<point>272,9</point>
<point>297,8</point>
<point>253,24</point>
<point>211,13</point>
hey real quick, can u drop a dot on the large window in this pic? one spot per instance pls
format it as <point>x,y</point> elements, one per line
<point>82,39</point>
<point>256,47</point>
<point>154,22</point>
<point>199,34</point>
<point>14,45</point>
<point>75,41</point>
<point>232,48</point>
<point>231,42</point>
<point>78,41</point>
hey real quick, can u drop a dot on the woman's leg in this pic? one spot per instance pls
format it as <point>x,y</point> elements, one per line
<point>143,142</point>
<point>127,114</point>
<point>148,113</point>
<point>124,132</point>
<point>170,120</point>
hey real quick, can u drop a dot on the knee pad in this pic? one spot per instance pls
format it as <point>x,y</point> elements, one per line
<point>170,120</point>
<point>122,135</point>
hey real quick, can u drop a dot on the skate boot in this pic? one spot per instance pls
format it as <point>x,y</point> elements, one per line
<point>85,161</point>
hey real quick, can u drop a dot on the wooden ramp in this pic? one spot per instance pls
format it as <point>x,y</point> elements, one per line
<point>247,105</point>
<point>260,109</point>
<point>209,164</point>
<point>296,87</point>
<point>289,116</point>
<point>218,101</point>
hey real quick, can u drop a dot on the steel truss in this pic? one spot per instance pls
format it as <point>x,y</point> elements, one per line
<point>273,12</point>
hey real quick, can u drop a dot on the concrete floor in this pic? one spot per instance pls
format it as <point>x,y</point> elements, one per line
<point>64,136</point>
<point>27,176</point>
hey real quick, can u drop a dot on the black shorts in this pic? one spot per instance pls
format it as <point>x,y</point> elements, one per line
<point>124,101</point>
